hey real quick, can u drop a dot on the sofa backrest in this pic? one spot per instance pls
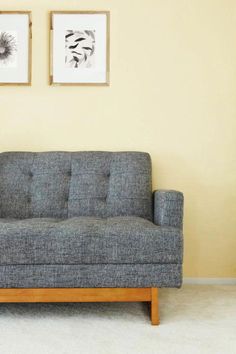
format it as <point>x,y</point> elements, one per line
<point>70,184</point>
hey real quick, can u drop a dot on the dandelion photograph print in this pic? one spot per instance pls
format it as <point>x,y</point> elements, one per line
<point>79,49</point>
<point>15,47</point>
<point>8,49</point>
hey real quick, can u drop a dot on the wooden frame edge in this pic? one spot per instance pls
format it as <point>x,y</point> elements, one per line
<point>30,50</point>
<point>107,83</point>
<point>50,49</point>
<point>42,295</point>
<point>74,294</point>
<point>154,307</point>
<point>29,82</point>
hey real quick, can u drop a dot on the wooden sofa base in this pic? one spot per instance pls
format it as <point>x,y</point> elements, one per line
<point>84,295</point>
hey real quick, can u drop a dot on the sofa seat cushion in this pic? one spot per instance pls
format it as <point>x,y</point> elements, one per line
<point>88,240</point>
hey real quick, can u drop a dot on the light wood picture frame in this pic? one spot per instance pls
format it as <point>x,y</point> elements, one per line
<point>15,48</point>
<point>80,48</point>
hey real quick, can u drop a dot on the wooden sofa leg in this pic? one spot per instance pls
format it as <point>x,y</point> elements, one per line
<point>154,307</point>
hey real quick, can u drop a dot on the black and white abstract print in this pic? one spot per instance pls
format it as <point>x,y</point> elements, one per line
<point>80,49</point>
<point>8,48</point>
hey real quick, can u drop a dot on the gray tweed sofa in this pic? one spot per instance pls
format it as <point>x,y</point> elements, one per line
<point>86,220</point>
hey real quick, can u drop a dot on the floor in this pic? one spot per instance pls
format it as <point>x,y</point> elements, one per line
<point>195,319</point>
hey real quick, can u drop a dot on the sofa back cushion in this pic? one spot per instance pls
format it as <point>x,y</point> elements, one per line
<point>70,184</point>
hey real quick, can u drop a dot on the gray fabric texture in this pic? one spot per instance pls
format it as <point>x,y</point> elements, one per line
<point>168,208</point>
<point>88,240</point>
<point>68,184</point>
<point>84,219</point>
<point>93,275</point>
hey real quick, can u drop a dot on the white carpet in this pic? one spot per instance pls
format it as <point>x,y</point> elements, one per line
<point>195,319</point>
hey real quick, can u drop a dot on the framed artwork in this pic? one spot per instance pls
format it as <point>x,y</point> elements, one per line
<point>15,47</point>
<point>79,52</point>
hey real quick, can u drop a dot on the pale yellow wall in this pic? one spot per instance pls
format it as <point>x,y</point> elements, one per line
<point>172,93</point>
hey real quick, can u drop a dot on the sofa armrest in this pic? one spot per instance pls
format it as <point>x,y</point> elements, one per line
<point>168,208</point>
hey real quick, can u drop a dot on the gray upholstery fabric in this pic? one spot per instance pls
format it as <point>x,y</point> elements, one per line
<point>64,184</point>
<point>87,240</point>
<point>91,275</point>
<point>168,208</point>
<point>84,219</point>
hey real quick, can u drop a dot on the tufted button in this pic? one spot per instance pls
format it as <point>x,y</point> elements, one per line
<point>66,199</point>
<point>69,173</point>
<point>29,200</point>
<point>30,174</point>
<point>108,174</point>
